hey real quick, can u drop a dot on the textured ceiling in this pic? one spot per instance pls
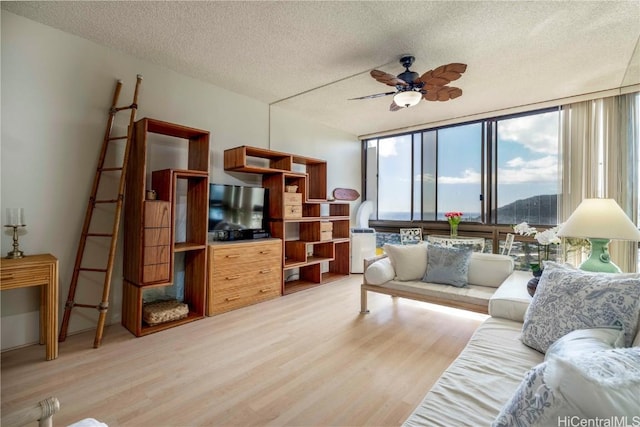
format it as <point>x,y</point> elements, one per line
<point>310,57</point>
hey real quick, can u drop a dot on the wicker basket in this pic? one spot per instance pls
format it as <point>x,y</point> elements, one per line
<point>158,312</point>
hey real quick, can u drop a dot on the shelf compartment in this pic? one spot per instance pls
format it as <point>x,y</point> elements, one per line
<point>316,231</point>
<point>256,160</point>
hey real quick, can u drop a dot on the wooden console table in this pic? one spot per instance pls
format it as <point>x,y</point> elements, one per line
<point>37,270</point>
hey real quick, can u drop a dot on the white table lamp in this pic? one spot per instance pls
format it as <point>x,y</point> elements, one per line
<point>599,220</point>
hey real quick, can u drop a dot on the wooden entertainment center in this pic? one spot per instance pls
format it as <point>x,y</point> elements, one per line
<point>309,234</point>
<point>313,230</point>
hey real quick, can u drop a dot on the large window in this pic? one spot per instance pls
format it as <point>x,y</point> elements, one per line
<point>394,178</point>
<point>497,171</point>
<point>527,175</point>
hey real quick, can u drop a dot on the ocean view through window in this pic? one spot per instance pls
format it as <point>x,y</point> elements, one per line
<point>503,170</point>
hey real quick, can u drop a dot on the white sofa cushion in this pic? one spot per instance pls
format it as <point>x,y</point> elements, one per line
<point>379,272</point>
<point>511,299</point>
<point>489,269</point>
<point>408,261</point>
<point>474,388</point>
<point>567,299</point>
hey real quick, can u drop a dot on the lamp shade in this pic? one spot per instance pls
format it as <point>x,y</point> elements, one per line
<point>408,98</point>
<point>599,219</point>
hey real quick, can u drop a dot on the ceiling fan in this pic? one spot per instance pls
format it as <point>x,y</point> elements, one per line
<point>411,87</point>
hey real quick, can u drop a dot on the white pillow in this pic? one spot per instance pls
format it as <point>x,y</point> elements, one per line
<point>489,269</point>
<point>604,384</point>
<point>379,272</point>
<point>585,341</point>
<point>408,261</point>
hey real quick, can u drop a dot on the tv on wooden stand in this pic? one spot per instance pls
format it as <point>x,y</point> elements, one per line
<point>237,212</point>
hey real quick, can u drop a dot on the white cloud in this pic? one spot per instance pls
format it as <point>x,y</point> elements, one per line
<point>425,177</point>
<point>469,176</point>
<point>538,133</point>
<point>519,171</point>
<point>387,148</point>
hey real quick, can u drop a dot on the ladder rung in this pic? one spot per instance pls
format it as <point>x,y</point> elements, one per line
<point>114,138</point>
<point>110,169</point>
<point>100,270</point>
<point>106,201</point>
<point>99,234</point>
<point>85,305</point>
<point>128,107</point>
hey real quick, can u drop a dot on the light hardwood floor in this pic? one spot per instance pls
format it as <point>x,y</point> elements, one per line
<point>306,359</point>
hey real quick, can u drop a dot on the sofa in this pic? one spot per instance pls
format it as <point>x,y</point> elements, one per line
<point>566,356</point>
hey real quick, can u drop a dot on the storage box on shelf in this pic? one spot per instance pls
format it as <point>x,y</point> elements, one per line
<point>150,245</point>
<point>319,246</point>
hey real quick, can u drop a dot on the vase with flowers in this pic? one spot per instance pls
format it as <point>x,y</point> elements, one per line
<point>454,219</point>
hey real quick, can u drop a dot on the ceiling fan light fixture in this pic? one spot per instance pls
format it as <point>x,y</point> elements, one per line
<point>407,98</point>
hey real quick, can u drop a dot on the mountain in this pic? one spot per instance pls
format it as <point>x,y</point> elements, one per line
<point>542,209</point>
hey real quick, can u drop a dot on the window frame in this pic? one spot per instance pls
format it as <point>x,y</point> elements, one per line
<point>488,173</point>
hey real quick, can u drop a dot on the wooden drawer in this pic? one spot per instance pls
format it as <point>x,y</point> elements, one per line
<point>157,236</point>
<point>17,277</point>
<point>292,211</point>
<point>326,226</point>
<point>228,256</point>
<point>227,278</point>
<point>292,199</point>
<point>236,297</point>
<point>326,235</point>
<point>157,213</point>
<point>155,273</point>
<point>157,255</point>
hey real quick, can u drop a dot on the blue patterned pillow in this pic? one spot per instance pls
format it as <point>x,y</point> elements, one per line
<point>568,299</point>
<point>533,403</point>
<point>449,266</point>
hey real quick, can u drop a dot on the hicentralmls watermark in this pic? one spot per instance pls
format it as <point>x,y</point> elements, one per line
<point>615,421</point>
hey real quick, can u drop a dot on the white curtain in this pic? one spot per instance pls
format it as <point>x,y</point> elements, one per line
<point>599,155</point>
<point>620,148</point>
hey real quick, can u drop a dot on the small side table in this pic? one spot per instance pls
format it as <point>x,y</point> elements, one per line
<point>477,243</point>
<point>37,270</point>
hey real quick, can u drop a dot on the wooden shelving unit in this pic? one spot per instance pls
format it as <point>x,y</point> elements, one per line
<point>150,243</point>
<point>319,251</point>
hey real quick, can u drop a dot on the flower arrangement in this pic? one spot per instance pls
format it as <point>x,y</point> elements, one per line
<point>454,219</point>
<point>544,238</point>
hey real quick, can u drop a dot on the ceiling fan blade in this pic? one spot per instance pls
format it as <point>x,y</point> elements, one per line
<point>394,106</point>
<point>444,93</point>
<point>443,75</point>
<point>377,95</point>
<point>386,78</point>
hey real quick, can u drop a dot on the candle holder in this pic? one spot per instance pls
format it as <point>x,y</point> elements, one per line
<point>16,252</point>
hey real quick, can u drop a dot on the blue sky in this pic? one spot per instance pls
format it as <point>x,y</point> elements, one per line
<point>527,164</point>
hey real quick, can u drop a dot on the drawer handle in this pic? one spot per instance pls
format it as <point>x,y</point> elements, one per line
<point>265,271</point>
<point>232,298</point>
<point>237,276</point>
<point>232,256</point>
<point>264,291</point>
<point>264,252</point>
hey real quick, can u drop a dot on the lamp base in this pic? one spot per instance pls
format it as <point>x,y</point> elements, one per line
<point>599,260</point>
<point>15,254</point>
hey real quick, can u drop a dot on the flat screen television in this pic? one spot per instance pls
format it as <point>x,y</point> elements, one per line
<point>236,207</point>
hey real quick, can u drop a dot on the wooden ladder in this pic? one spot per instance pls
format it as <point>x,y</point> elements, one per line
<point>103,306</point>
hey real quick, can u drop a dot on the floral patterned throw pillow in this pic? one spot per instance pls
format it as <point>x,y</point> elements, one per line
<point>568,299</point>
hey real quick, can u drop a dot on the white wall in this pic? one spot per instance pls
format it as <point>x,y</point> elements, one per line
<point>56,89</point>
